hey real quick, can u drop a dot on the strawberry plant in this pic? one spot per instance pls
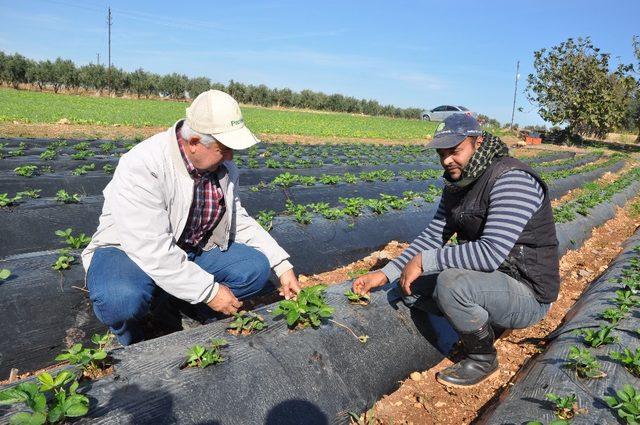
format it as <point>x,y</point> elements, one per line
<point>625,298</point>
<point>585,365</point>
<point>273,163</point>
<point>299,212</point>
<point>265,219</point>
<point>92,360</point>
<point>107,147</point>
<point>307,180</point>
<point>51,401</point>
<point>7,201</point>
<point>308,309</point>
<point>26,170</point>
<point>245,323</point>
<point>614,315</point>
<point>74,242</point>
<point>4,274</point>
<point>46,169</point>
<point>64,260</point>
<point>108,168</point>
<point>19,151</point>
<point>353,206</point>
<point>329,179</point>
<point>566,407</point>
<point>64,197</point>
<point>82,146</point>
<point>626,402</point>
<point>83,169</point>
<point>629,359</point>
<point>285,180</point>
<point>30,193</point>
<point>200,356</point>
<point>48,155</point>
<point>597,337</point>
<point>81,155</point>
<point>395,202</point>
<point>378,206</point>
<point>357,298</point>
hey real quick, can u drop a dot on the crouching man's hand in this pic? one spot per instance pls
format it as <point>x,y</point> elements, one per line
<point>224,301</point>
<point>289,285</point>
<point>366,283</point>
<point>411,272</point>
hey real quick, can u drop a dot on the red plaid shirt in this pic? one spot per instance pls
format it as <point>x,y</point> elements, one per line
<point>207,207</point>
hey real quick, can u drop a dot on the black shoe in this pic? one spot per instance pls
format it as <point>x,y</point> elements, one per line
<point>480,363</point>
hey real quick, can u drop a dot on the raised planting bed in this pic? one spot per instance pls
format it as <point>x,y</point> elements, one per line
<point>556,372</point>
<point>43,216</point>
<point>319,246</point>
<point>353,358</point>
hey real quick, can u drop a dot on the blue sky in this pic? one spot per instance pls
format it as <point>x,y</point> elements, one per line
<point>420,53</point>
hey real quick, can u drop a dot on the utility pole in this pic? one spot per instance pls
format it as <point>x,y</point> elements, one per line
<point>98,59</point>
<point>515,92</point>
<point>109,22</point>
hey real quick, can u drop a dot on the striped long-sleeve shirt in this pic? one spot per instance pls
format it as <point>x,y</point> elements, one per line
<point>514,198</point>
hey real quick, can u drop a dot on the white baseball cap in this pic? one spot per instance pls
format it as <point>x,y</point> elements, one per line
<point>216,113</point>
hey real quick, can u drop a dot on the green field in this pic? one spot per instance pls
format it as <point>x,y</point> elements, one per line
<point>37,107</point>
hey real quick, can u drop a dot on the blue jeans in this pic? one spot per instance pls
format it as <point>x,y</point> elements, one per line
<point>122,293</point>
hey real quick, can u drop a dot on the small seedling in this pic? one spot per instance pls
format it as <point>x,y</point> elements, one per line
<point>614,315</point>
<point>64,197</point>
<point>352,274</point>
<point>7,201</point>
<point>48,155</point>
<point>64,260</point>
<point>52,401</point>
<point>245,323</point>
<point>368,418</point>
<point>83,169</point>
<point>265,219</point>
<point>625,298</point>
<point>299,212</point>
<point>357,298</point>
<point>200,356</point>
<point>4,274</point>
<point>30,193</point>
<point>82,146</point>
<point>308,309</point>
<point>107,147</point>
<point>74,242</point>
<point>92,360</point>
<point>585,365</point>
<point>566,407</point>
<point>597,337</point>
<point>629,359</point>
<point>26,170</point>
<point>626,402</point>
<point>81,155</point>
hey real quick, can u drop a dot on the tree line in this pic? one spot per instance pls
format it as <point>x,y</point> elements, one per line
<point>60,74</point>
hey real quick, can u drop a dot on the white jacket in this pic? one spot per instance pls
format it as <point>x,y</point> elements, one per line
<point>145,210</point>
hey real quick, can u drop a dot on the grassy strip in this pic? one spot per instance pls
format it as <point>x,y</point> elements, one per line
<point>37,107</point>
<point>593,194</point>
<point>569,161</point>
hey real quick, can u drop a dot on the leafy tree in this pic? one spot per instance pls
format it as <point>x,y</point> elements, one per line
<point>93,77</point>
<point>198,85</point>
<point>15,70</point>
<point>572,85</point>
<point>173,85</point>
<point>634,105</point>
<point>140,82</point>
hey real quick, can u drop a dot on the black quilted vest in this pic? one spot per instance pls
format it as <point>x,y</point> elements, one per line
<point>534,259</point>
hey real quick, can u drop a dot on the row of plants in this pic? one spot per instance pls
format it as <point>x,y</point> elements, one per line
<point>62,196</point>
<point>31,170</point>
<point>290,179</point>
<point>54,399</point>
<point>582,361</point>
<point>593,194</point>
<point>561,174</point>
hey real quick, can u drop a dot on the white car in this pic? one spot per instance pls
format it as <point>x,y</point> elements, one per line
<point>442,112</point>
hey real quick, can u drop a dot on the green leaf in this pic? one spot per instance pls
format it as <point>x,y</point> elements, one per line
<point>292,317</point>
<point>12,396</point>
<point>76,406</point>
<point>24,418</point>
<point>4,274</point>
<point>56,413</point>
<point>46,380</point>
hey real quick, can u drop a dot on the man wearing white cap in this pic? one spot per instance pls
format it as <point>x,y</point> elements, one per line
<point>172,221</point>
